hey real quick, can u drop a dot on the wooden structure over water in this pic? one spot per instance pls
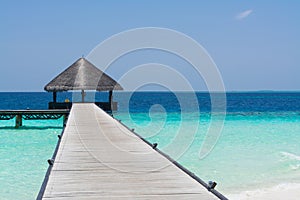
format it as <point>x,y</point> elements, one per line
<point>81,76</point>
<point>32,115</point>
<point>99,158</point>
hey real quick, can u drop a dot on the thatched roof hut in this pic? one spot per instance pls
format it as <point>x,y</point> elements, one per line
<point>82,75</point>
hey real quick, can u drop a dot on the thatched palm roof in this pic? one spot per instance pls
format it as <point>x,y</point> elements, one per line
<point>82,75</point>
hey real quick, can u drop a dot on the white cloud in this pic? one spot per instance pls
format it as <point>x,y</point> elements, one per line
<point>243,15</point>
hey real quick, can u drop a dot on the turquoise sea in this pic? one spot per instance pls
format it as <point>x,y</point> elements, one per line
<point>23,156</point>
<point>258,148</point>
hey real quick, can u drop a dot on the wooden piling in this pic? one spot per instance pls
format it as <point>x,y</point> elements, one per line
<point>18,121</point>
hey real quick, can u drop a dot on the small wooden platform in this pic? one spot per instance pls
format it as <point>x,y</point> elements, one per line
<point>98,158</point>
<point>33,115</point>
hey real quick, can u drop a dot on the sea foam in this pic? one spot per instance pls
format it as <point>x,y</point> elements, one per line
<point>290,155</point>
<point>289,191</point>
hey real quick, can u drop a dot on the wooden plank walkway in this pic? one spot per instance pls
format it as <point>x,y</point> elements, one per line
<point>98,158</point>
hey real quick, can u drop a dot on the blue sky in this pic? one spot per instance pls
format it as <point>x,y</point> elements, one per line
<point>255,44</point>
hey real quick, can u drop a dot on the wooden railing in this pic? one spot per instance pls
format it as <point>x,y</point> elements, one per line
<point>106,106</point>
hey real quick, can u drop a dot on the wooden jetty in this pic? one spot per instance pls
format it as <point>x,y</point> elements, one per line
<point>33,115</point>
<point>99,158</point>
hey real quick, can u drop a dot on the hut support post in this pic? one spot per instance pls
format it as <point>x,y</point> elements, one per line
<point>82,96</point>
<point>54,97</point>
<point>110,99</point>
<point>110,96</point>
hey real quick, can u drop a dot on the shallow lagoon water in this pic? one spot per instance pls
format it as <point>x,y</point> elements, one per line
<point>253,151</point>
<point>24,153</point>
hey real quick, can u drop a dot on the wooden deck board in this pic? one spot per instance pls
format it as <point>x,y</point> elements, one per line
<point>99,158</point>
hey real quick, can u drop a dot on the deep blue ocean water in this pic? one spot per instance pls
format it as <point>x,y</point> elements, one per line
<point>259,144</point>
<point>142,101</point>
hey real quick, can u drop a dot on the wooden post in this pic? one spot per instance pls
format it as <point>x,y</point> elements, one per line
<point>110,99</point>
<point>18,121</point>
<point>65,119</point>
<point>54,97</point>
<point>82,96</point>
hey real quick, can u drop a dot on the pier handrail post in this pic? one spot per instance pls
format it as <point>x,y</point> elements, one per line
<point>65,118</point>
